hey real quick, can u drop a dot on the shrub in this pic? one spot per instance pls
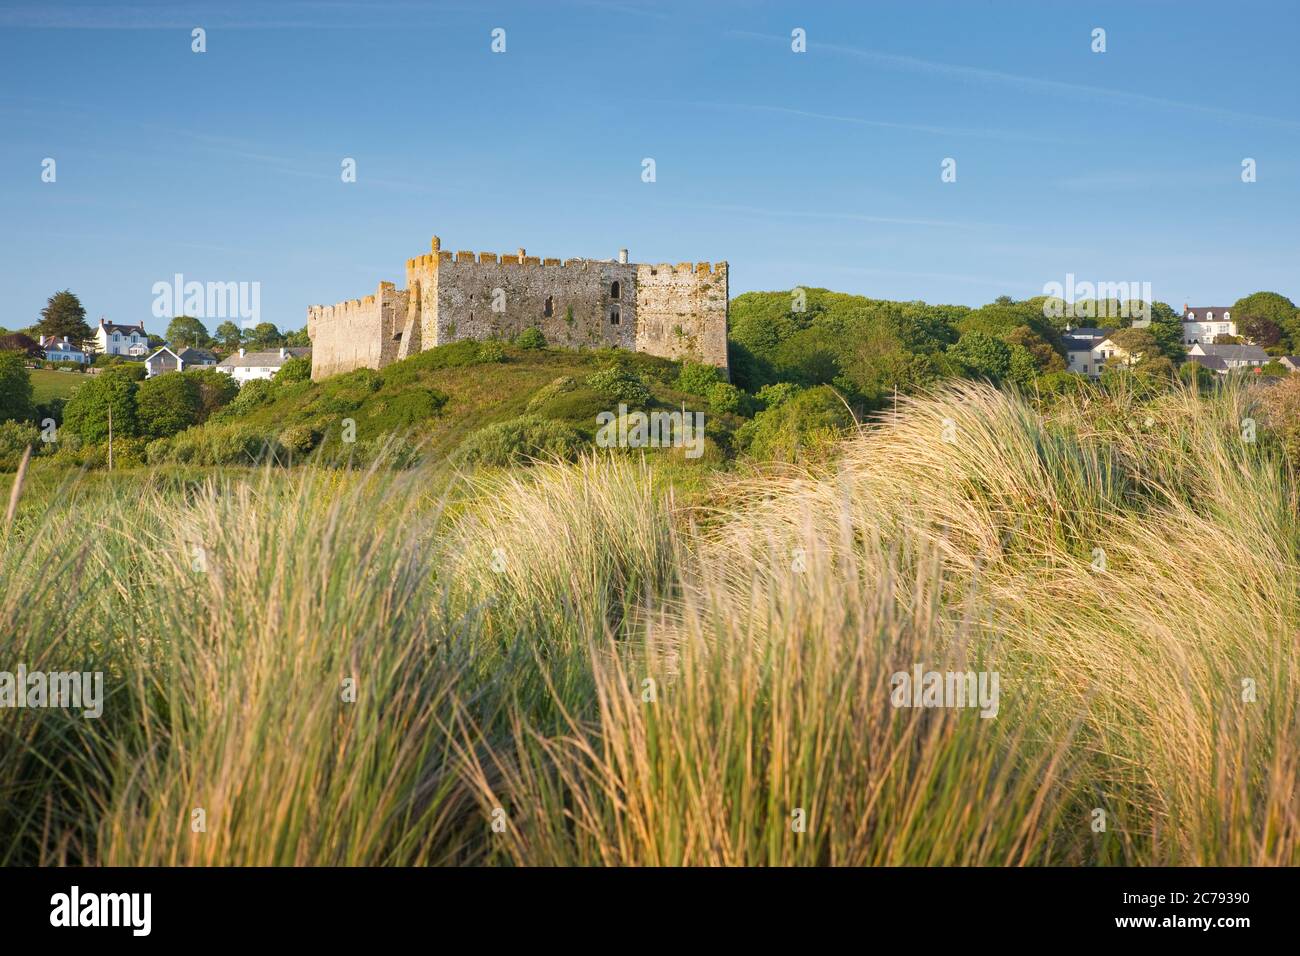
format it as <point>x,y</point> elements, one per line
<point>773,396</point>
<point>494,351</point>
<point>294,370</point>
<point>300,439</point>
<point>167,404</point>
<point>725,397</point>
<point>87,411</point>
<point>411,406</point>
<point>15,437</point>
<point>620,385</point>
<point>216,389</point>
<point>520,440</point>
<point>808,423</point>
<point>15,387</point>
<point>696,378</point>
<point>553,389</point>
<point>251,394</point>
<point>531,339</point>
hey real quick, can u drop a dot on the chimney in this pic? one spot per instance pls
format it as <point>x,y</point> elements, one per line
<point>622,256</point>
<point>241,351</point>
<point>521,254</point>
<point>435,244</point>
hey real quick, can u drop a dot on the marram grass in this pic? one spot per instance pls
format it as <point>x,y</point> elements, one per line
<point>569,664</point>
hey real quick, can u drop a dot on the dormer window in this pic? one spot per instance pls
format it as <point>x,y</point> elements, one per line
<point>1209,316</point>
<point>1227,317</point>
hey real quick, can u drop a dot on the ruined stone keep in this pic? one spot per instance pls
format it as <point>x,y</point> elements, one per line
<point>675,311</point>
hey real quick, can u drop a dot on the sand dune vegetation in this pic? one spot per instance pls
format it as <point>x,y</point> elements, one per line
<point>580,663</point>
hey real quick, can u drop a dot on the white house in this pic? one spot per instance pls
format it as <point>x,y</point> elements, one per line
<point>1202,325</point>
<point>1227,358</point>
<point>165,360</point>
<point>61,349</point>
<point>114,339</point>
<point>245,365</point>
<point>1087,350</point>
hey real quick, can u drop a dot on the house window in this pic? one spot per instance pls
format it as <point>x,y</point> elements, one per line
<point>614,290</point>
<point>613,315</point>
<point>548,309</point>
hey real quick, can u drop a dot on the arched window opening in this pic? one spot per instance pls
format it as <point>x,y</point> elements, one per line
<point>613,315</point>
<point>614,290</point>
<point>548,309</point>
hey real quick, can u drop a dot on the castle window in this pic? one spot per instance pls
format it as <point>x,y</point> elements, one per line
<point>548,309</point>
<point>613,315</point>
<point>614,290</point>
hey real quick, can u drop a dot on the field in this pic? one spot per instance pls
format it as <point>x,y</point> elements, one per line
<point>48,383</point>
<point>576,664</point>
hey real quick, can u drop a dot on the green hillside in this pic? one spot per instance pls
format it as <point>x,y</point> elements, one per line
<point>50,383</point>
<point>441,398</point>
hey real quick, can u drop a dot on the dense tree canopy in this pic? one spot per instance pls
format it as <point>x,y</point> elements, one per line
<point>15,388</point>
<point>185,331</point>
<point>64,315</point>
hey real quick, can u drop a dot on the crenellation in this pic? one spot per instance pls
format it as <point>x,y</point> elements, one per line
<point>676,311</point>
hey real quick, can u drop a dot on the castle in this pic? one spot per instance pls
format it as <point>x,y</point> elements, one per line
<point>675,311</point>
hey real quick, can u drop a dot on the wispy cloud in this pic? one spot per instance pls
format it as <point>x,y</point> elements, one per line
<point>1007,135</point>
<point>785,212</point>
<point>894,61</point>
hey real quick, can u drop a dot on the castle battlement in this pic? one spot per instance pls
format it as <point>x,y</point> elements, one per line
<point>675,310</point>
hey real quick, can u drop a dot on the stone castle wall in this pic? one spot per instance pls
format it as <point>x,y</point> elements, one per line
<point>676,312</point>
<point>358,333</point>
<point>682,311</point>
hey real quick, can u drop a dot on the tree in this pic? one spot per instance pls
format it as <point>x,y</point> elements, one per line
<point>15,388</point>
<point>227,335</point>
<point>1272,306</point>
<point>297,340</point>
<point>262,336</point>
<point>1167,327</point>
<point>24,344</point>
<point>64,315</point>
<point>1261,330</point>
<point>86,414</point>
<point>981,355</point>
<point>1046,358</point>
<point>217,389</point>
<point>167,404</point>
<point>1140,344</point>
<point>185,331</point>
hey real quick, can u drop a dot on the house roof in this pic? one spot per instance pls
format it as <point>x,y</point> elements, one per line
<point>194,355</point>
<point>115,327</point>
<point>268,359</point>
<point>59,343</point>
<point>1199,313</point>
<point>1235,353</point>
<point>1213,362</point>
<point>1084,340</point>
<point>159,352</point>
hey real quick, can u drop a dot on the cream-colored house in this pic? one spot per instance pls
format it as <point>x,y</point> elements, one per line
<point>114,339</point>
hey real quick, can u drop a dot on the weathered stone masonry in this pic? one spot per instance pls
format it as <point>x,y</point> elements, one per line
<point>678,312</point>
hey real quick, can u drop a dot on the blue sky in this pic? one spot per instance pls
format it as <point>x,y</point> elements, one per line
<point>815,169</point>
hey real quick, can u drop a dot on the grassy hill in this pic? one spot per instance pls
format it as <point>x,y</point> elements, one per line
<point>440,398</point>
<point>50,383</point>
